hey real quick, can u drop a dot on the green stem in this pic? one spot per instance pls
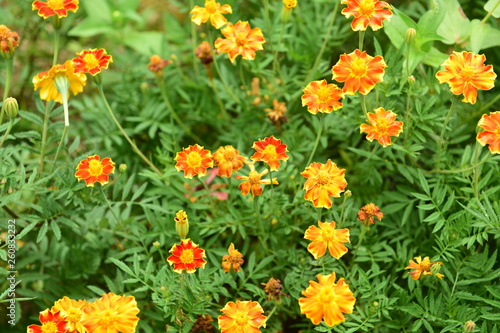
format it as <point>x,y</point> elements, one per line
<point>361,39</point>
<point>48,108</point>
<point>490,103</point>
<point>363,105</point>
<point>57,34</point>
<point>193,38</point>
<point>242,77</point>
<point>276,66</point>
<point>341,221</point>
<point>443,130</point>
<point>111,208</point>
<point>320,210</point>
<point>490,13</point>
<point>11,124</point>
<point>63,136</point>
<point>476,172</point>
<point>320,130</point>
<point>8,78</point>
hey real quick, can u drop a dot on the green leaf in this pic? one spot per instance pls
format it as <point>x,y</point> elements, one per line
<point>490,5</point>
<point>56,230</point>
<point>455,26</point>
<point>42,232</point>
<point>122,266</point>
<point>145,43</point>
<point>27,229</point>
<point>478,33</point>
<point>90,27</point>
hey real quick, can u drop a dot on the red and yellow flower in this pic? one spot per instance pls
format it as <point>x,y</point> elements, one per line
<point>194,160</point>
<point>240,40</point>
<point>289,4</point>
<point>367,213</point>
<point>55,7</point>
<point>465,73</point>
<point>382,126</point>
<point>327,300</point>
<point>52,322</point>
<point>323,181</point>
<point>229,160</point>
<point>359,72</point>
<point>73,312</point>
<point>92,170</point>
<point>9,40</point>
<point>367,13</point>
<point>242,317</point>
<point>491,134</point>
<point>424,267</point>
<point>320,96</point>
<point>271,151</point>
<point>254,181</point>
<point>92,61</point>
<point>212,11</point>
<point>326,236</point>
<point>186,256</point>
<point>156,63</point>
<point>232,260</point>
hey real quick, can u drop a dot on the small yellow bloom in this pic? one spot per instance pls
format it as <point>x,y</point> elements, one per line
<point>181,224</point>
<point>326,236</point>
<point>212,11</point>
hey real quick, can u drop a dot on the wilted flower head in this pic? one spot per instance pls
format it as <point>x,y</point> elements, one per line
<point>232,260</point>
<point>92,61</point>
<point>367,13</point>
<point>367,213</point>
<point>55,7</point>
<point>273,289</point>
<point>204,53</point>
<point>277,113</point>
<point>491,134</point>
<point>203,324</point>
<point>212,11</point>
<point>240,39</point>
<point>253,181</point>
<point>383,125</point>
<point>229,160</point>
<point>423,267</point>
<point>9,40</point>
<point>156,63</point>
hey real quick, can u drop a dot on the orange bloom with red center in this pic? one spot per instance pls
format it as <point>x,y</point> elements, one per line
<point>52,322</point>
<point>73,312</point>
<point>55,7</point>
<point>229,160</point>
<point>320,96</point>
<point>232,260</point>
<point>382,126</point>
<point>242,317</point>
<point>186,256</point>
<point>9,40</point>
<point>327,300</point>
<point>253,182</point>
<point>367,13</point>
<point>359,72</point>
<point>491,134</point>
<point>271,151</point>
<point>194,160</point>
<point>323,181</point>
<point>240,40</point>
<point>93,170</point>
<point>465,73</point>
<point>424,267</point>
<point>326,236</point>
<point>92,61</point>
<point>367,213</point>
<point>212,11</point>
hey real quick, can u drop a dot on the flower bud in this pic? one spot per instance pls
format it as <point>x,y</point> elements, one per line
<point>410,35</point>
<point>10,107</point>
<point>122,167</point>
<point>469,326</point>
<point>348,194</point>
<point>411,79</point>
<point>181,224</point>
<point>156,244</point>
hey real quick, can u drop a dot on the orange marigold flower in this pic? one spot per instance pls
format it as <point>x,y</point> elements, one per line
<point>229,160</point>
<point>73,312</point>
<point>232,260</point>
<point>254,181</point>
<point>52,322</point>
<point>212,11</point>
<point>55,7</point>
<point>367,212</point>
<point>240,40</point>
<point>425,267</point>
<point>271,151</point>
<point>9,40</point>
<point>359,71</point>
<point>186,256</point>
<point>156,63</point>
<point>92,61</point>
<point>327,300</point>
<point>194,160</point>
<point>93,170</point>
<point>289,4</point>
<point>320,96</point>
<point>242,316</point>
<point>465,72</point>
<point>112,314</point>
<point>323,181</point>
<point>326,236</point>
<point>382,126</point>
<point>367,13</point>
<point>491,134</point>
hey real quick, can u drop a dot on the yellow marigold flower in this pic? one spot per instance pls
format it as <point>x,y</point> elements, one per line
<point>9,40</point>
<point>382,126</point>
<point>212,11</point>
<point>240,40</point>
<point>367,13</point>
<point>181,224</point>
<point>51,322</point>
<point>271,151</point>
<point>289,4</point>
<point>326,236</point>
<point>242,316</point>
<point>327,300</point>
<point>491,134</point>
<point>423,267</point>
<point>253,182</point>
<point>92,61</point>
<point>194,160</point>
<point>320,96</point>
<point>277,113</point>
<point>186,256</point>
<point>229,160</point>
<point>323,181</point>
<point>73,312</point>
<point>232,260</point>
<point>367,213</point>
<point>92,170</point>
<point>112,314</point>
<point>359,72</point>
<point>55,7</point>
<point>465,72</point>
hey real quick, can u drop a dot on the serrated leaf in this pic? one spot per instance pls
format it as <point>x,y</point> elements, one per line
<point>56,230</point>
<point>42,232</point>
<point>26,229</point>
<point>122,266</point>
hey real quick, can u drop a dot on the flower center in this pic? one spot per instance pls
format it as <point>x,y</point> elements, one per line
<point>74,315</point>
<point>366,7</point>
<point>228,155</point>
<point>187,256</point>
<point>323,178</point>
<point>358,68</point>
<point>382,125</point>
<point>95,168</point>
<point>241,318</point>
<point>323,94</point>
<point>56,4</point>
<point>90,60</point>
<point>211,6</point>
<point>194,159</point>
<point>49,327</point>
<point>241,40</point>
<point>270,151</point>
<point>329,235</point>
<point>106,319</point>
<point>254,178</point>
<point>467,73</point>
<point>425,265</point>
<point>326,295</point>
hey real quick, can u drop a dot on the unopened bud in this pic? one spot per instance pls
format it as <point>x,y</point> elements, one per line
<point>411,79</point>
<point>122,167</point>
<point>181,224</point>
<point>469,326</point>
<point>410,35</point>
<point>156,244</point>
<point>10,107</point>
<point>348,194</point>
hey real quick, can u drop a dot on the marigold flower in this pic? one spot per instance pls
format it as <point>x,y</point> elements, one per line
<point>93,170</point>
<point>203,324</point>
<point>367,13</point>
<point>55,7</point>
<point>367,212</point>
<point>424,267</point>
<point>491,134</point>
<point>382,126</point>
<point>156,63</point>
<point>289,4</point>
<point>112,314</point>
<point>232,260</point>
<point>186,256</point>
<point>212,11</point>
<point>204,53</point>
<point>359,71</point>
<point>326,236</point>
<point>92,61</point>
<point>273,289</point>
<point>465,72</point>
<point>242,316</point>
<point>73,312</point>
<point>9,40</point>
<point>181,224</point>
<point>52,322</point>
<point>194,160</point>
<point>277,113</point>
<point>254,181</point>
<point>323,181</point>
<point>229,160</point>
<point>240,40</point>
<point>327,300</point>
<point>320,96</point>
<point>271,151</point>
<point>46,81</point>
